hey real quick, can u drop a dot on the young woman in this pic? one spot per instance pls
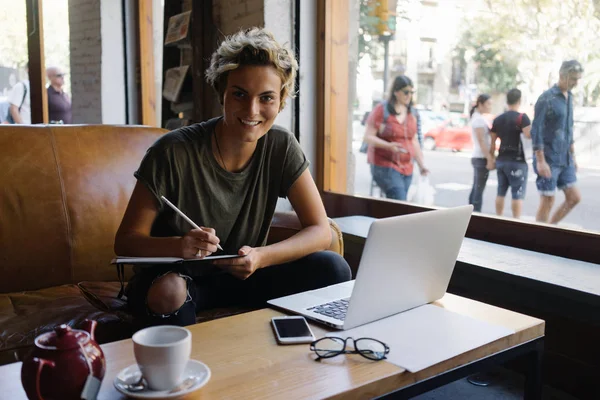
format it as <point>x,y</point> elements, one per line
<point>481,159</point>
<point>394,143</point>
<point>226,174</point>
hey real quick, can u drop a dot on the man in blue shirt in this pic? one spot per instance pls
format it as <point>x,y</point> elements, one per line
<point>552,134</point>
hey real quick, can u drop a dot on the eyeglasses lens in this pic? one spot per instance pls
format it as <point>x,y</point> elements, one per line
<point>328,347</point>
<point>370,348</point>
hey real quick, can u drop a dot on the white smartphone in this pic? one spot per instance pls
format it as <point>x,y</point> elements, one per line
<point>292,330</point>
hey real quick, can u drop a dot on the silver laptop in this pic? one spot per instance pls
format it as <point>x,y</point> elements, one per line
<point>407,261</point>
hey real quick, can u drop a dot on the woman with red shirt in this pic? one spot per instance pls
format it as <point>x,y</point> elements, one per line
<point>393,144</point>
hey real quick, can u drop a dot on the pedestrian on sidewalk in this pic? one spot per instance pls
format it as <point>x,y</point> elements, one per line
<point>393,141</point>
<point>59,103</point>
<point>554,155</point>
<point>511,164</point>
<point>481,159</point>
<point>19,111</point>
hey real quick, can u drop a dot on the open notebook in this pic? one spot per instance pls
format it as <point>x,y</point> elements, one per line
<point>165,260</point>
<point>121,261</point>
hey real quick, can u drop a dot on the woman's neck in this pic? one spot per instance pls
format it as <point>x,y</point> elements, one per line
<point>230,154</point>
<point>400,107</point>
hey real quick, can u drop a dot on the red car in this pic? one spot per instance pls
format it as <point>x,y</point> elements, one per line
<point>454,133</point>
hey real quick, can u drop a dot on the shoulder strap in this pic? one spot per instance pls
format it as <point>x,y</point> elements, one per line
<point>386,115</point>
<point>520,120</point>
<point>519,125</point>
<point>24,95</point>
<point>386,112</point>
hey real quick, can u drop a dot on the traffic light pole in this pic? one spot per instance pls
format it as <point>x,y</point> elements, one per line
<point>386,55</point>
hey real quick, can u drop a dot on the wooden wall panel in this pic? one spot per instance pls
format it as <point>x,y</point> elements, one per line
<point>332,101</point>
<point>205,38</point>
<point>146,60</point>
<point>37,68</point>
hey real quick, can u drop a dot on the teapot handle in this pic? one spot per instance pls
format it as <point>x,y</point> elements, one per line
<point>40,362</point>
<point>89,325</point>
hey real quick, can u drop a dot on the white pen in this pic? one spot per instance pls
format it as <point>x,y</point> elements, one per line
<point>178,211</point>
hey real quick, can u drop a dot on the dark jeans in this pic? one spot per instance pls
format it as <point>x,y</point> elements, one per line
<point>391,182</point>
<point>223,290</point>
<point>480,177</point>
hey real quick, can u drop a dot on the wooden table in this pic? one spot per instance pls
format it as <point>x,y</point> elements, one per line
<point>246,361</point>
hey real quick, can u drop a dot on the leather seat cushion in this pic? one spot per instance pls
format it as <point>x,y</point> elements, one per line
<point>26,315</point>
<point>104,296</point>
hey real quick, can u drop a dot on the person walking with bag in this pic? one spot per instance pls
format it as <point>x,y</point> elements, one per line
<point>19,111</point>
<point>481,159</point>
<point>393,141</point>
<point>511,164</point>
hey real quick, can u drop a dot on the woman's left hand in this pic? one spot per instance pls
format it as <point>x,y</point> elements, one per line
<point>424,171</point>
<point>245,265</point>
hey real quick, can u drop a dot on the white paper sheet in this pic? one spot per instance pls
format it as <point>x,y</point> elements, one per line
<point>427,335</point>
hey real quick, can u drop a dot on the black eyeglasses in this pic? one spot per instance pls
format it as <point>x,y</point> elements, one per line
<point>407,92</point>
<point>60,75</point>
<point>328,347</point>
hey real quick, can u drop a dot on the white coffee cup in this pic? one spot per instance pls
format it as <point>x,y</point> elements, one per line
<point>162,353</point>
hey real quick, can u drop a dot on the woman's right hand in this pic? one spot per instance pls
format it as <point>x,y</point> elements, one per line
<point>199,243</point>
<point>396,147</point>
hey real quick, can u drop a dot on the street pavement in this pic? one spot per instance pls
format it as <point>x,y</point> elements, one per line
<point>452,176</point>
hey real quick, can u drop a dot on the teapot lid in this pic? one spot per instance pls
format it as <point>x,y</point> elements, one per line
<point>62,338</point>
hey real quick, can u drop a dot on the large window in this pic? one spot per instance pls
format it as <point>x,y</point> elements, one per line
<point>480,48</point>
<point>80,54</point>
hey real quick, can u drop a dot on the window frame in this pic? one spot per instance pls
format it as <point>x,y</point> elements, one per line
<point>332,150</point>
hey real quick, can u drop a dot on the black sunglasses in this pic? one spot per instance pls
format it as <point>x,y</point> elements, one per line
<point>328,347</point>
<point>407,92</point>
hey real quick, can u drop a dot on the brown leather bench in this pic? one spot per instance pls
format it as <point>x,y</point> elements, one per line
<point>63,192</point>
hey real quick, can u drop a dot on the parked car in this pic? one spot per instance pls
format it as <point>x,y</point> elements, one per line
<point>430,119</point>
<point>454,133</point>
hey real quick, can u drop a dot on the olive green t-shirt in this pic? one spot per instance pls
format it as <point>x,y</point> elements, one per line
<point>239,206</point>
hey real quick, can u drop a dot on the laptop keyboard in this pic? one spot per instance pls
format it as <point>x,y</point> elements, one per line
<point>334,309</point>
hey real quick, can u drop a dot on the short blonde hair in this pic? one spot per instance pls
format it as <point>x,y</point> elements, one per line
<point>254,46</point>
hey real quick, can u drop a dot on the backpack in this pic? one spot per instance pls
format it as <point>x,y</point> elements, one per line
<point>9,117</point>
<point>386,114</point>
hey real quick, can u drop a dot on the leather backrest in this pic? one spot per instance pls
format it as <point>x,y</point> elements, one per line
<point>63,192</point>
<point>34,235</point>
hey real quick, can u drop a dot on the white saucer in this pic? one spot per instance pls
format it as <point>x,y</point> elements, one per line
<point>131,375</point>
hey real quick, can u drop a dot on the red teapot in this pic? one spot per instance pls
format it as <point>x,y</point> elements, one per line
<point>65,364</point>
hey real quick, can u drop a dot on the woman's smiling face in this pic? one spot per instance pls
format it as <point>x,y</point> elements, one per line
<point>251,102</point>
